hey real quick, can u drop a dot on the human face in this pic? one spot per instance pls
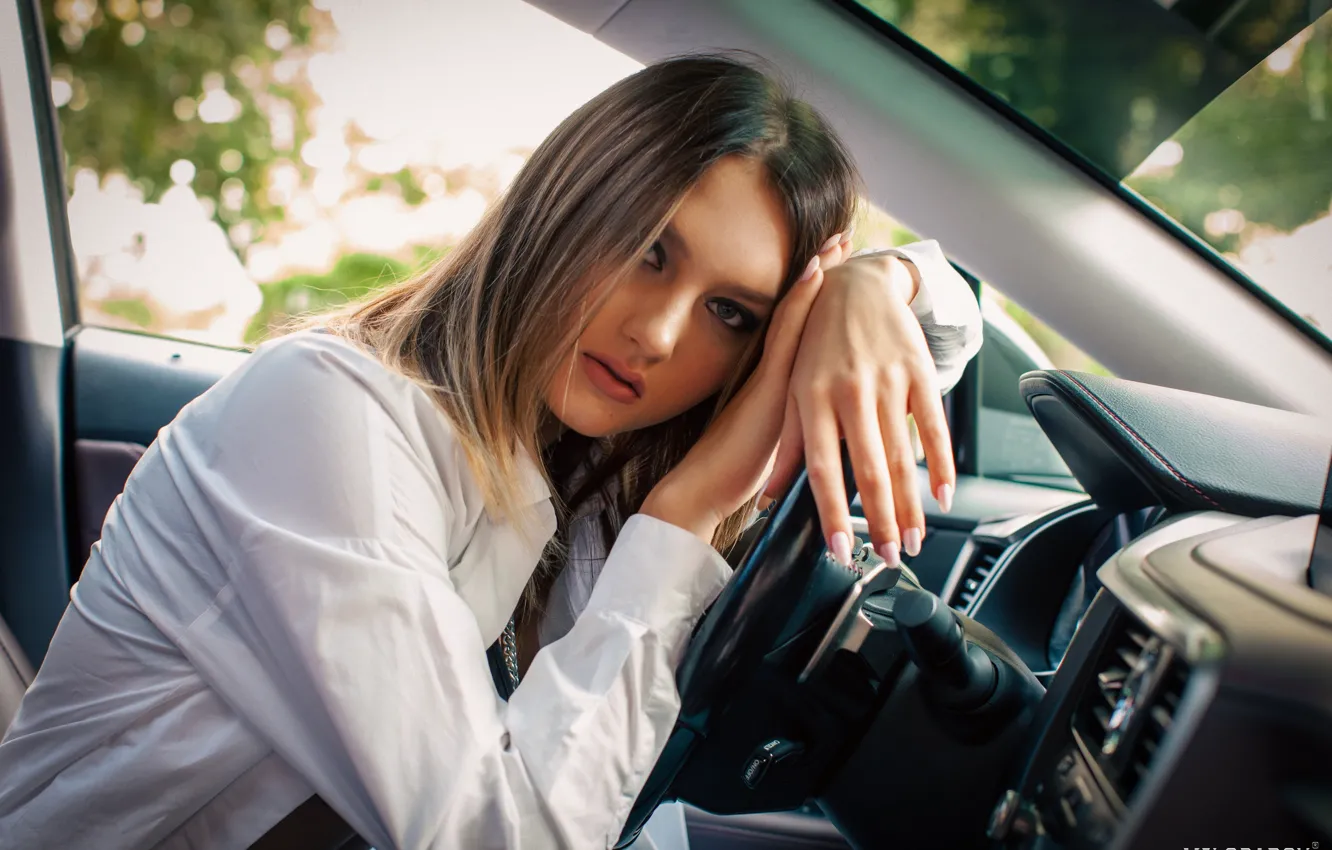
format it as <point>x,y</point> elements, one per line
<point>673,332</point>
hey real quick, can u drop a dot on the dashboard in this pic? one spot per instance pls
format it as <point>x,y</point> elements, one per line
<point>1183,631</point>
<point>1192,706</point>
<point>1147,663</point>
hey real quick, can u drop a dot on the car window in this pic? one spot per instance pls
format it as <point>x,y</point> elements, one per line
<point>1010,443</point>
<point>1214,112</point>
<point>233,165</point>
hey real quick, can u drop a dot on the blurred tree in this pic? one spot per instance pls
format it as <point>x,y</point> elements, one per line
<point>1114,79</point>
<point>142,84</point>
<point>1264,147</point>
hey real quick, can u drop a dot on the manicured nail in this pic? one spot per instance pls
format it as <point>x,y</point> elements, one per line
<point>841,548</point>
<point>831,243</point>
<point>850,231</point>
<point>890,552</point>
<point>809,270</point>
<point>944,495</point>
<point>911,540</point>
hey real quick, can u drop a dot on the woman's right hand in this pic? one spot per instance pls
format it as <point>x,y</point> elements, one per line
<point>733,459</point>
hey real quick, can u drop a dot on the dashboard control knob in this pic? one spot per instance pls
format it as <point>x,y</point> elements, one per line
<point>1001,819</point>
<point>1012,817</point>
<point>962,676</point>
<point>765,756</point>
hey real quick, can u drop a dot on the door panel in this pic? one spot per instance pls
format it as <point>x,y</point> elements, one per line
<point>127,386</point>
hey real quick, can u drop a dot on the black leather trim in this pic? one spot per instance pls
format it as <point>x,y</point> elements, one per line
<point>313,825</point>
<point>101,468</point>
<point>1135,445</point>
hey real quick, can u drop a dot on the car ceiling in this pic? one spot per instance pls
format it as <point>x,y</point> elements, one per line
<point>1007,208</point>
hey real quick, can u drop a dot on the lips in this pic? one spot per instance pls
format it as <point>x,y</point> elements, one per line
<point>612,378</point>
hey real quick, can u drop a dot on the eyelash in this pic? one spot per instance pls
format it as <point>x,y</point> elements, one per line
<point>747,321</point>
<point>658,252</point>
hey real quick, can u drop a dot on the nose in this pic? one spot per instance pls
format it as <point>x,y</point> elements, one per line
<point>657,320</point>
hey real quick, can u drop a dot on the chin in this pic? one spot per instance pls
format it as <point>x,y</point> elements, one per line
<point>586,416</point>
<point>590,426</point>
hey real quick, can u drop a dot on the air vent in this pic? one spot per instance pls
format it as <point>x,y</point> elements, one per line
<point>984,555</point>
<point>1129,705</point>
<point>1160,715</point>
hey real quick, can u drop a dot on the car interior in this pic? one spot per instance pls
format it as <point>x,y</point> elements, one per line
<point>1139,656</point>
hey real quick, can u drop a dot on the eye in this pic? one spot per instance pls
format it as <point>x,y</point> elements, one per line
<point>733,315</point>
<point>656,256</point>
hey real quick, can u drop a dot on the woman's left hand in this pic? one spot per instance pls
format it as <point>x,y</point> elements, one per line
<point>862,367</point>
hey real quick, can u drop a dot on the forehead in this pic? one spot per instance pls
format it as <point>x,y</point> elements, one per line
<point>733,223</point>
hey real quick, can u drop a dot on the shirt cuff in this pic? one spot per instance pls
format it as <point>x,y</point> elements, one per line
<point>943,297</point>
<point>944,305</point>
<point>661,576</point>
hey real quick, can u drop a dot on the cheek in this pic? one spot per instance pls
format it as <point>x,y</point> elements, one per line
<point>594,334</point>
<point>702,366</point>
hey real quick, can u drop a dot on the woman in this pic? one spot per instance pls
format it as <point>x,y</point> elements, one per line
<point>295,593</point>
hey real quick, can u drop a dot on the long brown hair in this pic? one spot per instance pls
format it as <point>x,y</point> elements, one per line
<point>484,329</point>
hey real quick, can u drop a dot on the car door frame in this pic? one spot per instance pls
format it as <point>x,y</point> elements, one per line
<point>38,310</point>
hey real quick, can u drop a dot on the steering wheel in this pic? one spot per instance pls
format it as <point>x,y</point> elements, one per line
<point>786,567</point>
<point>754,607</point>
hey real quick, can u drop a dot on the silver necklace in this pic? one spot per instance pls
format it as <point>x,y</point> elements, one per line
<point>509,647</point>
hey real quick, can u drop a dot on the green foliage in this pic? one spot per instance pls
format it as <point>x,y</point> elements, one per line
<point>353,277</point>
<point>132,310</point>
<point>411,193</point>
<point>137,73</point>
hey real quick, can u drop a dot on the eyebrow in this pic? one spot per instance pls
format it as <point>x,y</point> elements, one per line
<point>759,300</point>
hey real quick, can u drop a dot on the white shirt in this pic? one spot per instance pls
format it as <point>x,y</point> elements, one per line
<point>294,595</point>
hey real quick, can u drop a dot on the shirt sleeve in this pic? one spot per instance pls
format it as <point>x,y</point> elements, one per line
<point>341,639</point>
<point>945,306</point>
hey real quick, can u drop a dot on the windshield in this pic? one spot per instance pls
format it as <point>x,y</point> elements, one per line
<point>1216,112</point>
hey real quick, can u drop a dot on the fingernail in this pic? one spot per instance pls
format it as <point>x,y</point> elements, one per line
<point>841,548</point>
<point>911,540</point>
<point>890,552</point>
<point>944,495</point>
<point>809,270</point>
<point>850,231</point>
<point>831,243</point>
